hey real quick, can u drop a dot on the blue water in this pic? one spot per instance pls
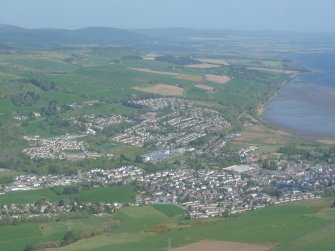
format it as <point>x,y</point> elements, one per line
<point>307,104</point>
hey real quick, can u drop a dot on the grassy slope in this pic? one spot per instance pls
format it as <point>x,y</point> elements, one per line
<point>269,139</point>
<point>169,210</point>
<point>285,224</point>
<point>122,193</point>
<point>297,226</point>
<point>111,82</point>
<point>14,238</point>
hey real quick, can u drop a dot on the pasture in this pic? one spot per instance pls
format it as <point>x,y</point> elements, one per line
<point>124,193</point>
<point>294,226</point>
<point>269,139</point>
<point>169,210</point>
<point>15,238</point>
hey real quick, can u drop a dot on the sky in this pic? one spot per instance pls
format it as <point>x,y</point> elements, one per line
<point>286,15</point>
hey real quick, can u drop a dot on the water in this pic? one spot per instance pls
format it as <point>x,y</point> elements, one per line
<point>307,104</point>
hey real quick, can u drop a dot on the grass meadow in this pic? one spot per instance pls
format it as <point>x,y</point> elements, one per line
<point>122,193</point>
<point>295,226</point>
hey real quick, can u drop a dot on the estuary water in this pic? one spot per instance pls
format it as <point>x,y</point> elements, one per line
<point>306,105</point>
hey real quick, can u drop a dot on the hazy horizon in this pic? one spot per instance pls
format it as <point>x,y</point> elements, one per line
<point>281,15</point>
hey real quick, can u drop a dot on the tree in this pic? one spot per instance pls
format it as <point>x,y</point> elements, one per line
<point>68,238</point>
<point>269,164</point>
<point>16,222</point>
<point>272,191</point>
<point>28,247</point>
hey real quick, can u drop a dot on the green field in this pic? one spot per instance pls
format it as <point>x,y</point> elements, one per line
<point>308,225</point>
<point>269,139</point>
<point>90,74</point>
<point>136,219</point>
<point>14,238</point>
<point>74,80</point>
<point>171,211</point>
<point>66,84</point>
<point>124,193</point>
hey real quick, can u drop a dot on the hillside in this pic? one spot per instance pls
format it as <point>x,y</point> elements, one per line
<point>306,226</point>
<point>49,38</point>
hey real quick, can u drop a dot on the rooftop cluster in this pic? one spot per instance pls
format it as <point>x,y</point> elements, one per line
<point>182,123</point>
<point>61,147</point>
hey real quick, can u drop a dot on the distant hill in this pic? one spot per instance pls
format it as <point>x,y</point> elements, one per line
<point>237,40</point>
<point>191,33</point>
<point>47,38</point>
<point>180,33</point>
<point>171,40</point>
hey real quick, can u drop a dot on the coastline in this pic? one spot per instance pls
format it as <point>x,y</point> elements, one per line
<point>262,107</point>
<point>304,69</point>
<point>323,139</point>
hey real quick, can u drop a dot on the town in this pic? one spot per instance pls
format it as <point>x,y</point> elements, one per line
<point>202,193</point>
<point>61,147</point>
<point>181,123</point>
<point>169,126</point>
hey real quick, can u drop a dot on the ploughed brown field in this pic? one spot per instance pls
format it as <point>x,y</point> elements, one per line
<point>217,79</point>
<point>224,246</point>
<point>213,61</point>
<point>162,89</point>
<point>205,87</point>
<point>327,141</point>
<point>190,77</point>
<point>155,72</point>
<point>203,66</point>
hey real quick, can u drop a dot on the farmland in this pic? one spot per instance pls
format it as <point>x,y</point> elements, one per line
<point>202,66</point>
<point>217,79</point>
<point>204,87</point>
<point>162,89</point>
<point>288,227</point>
<point>90,111</point>
<point>29,75</point>
<point>16,237</point>
<point>169,210</point>
<point>116,193</point>
<point>224,245</point>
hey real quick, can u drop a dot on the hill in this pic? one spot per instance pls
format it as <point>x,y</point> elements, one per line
<point>233,39</point>
<point>49,38</point>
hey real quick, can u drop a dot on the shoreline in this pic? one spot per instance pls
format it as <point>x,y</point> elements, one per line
<point>262,107</point>
<point>323,139</point>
